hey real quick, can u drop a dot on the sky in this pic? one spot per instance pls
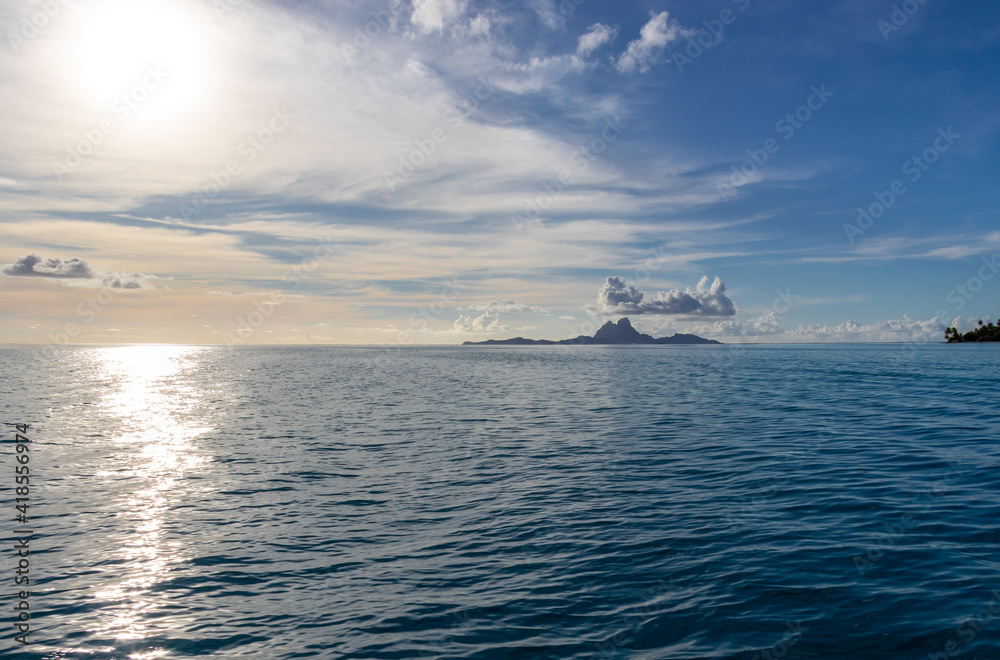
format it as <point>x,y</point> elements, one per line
<point>435,171</point>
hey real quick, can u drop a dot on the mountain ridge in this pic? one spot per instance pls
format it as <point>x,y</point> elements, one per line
<point>620,333</point>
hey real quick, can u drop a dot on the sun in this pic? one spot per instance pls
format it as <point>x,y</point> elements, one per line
<point>141,58</point>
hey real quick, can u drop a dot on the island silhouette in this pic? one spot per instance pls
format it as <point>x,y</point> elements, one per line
<point>610,333</point>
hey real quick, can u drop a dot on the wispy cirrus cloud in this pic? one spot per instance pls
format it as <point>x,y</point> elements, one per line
<point>642,53</point>
<point>554,73</point>
<point>506,306</point>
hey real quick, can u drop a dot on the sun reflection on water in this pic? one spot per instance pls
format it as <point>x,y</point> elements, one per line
<point>155,403</point>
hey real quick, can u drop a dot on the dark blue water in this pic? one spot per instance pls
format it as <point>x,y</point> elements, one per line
<point>537,502</point>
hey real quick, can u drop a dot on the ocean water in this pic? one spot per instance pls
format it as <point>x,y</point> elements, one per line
<point>827,501</point>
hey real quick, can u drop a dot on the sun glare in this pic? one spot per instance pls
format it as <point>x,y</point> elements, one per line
<point>141,59</point>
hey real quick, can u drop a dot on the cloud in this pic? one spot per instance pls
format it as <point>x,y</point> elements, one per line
<point>596,36</point>
<point>897,330</point>
<point>479,26</point>
<point>76,272</point>
<point>647,49</point>
<point>432,15</point>
<point>767,328</point>
<point>34,266</point>
<point>547,13</point>
<point>487,322</point>
<point>506,306</point>
<point>545,73</point>
<point>125,281</point>
<point>767,324</point>
<point>618,298</point>
<point>7,182</point>
<point>969,322</point>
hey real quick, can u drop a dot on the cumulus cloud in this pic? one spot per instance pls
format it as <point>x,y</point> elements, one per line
<point>969,322</point>
<point>432,15</point>
<point>34,266</point>
<point>125,281</point>
<point>903,329</point>
<point>75,272</point>
<point>618,298</point>
<point>646,51</point>
<point>487,322</point>
<point>506,306</point>
<point>596,36</point>
<point>764,325</point>
<point>767,327</point>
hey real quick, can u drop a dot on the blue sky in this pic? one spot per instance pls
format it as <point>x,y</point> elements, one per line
<point>438,170</point>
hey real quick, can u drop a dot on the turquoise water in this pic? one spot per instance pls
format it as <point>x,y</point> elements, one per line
<point>538,502</point>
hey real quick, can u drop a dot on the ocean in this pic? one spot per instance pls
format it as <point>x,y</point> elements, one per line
<point>681,502</point>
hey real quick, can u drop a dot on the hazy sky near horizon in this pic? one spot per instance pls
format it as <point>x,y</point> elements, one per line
<point>431,171</point>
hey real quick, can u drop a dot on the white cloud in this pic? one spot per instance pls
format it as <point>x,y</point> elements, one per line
<point>487,322</point>
<point>897,330</point>
<point>432,15</point>
<point>479,26</point>
<point>767,324</point>
<point>969,323</point>
<point>618,298</point>
<point>506,306</point>
<point>767,327</point>
<point>645,51</point>
<point>541,74</point>
<point>548,13</point>
<point>596,36</point>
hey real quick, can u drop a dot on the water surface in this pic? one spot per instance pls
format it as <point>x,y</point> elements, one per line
<point>829,501</point>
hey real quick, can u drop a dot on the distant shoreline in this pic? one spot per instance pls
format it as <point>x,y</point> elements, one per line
<point>610,334</point>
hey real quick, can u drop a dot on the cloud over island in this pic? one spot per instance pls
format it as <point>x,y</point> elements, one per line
<point>618,298</point>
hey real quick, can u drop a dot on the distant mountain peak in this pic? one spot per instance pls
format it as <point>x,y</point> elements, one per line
<point>621,332</point>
